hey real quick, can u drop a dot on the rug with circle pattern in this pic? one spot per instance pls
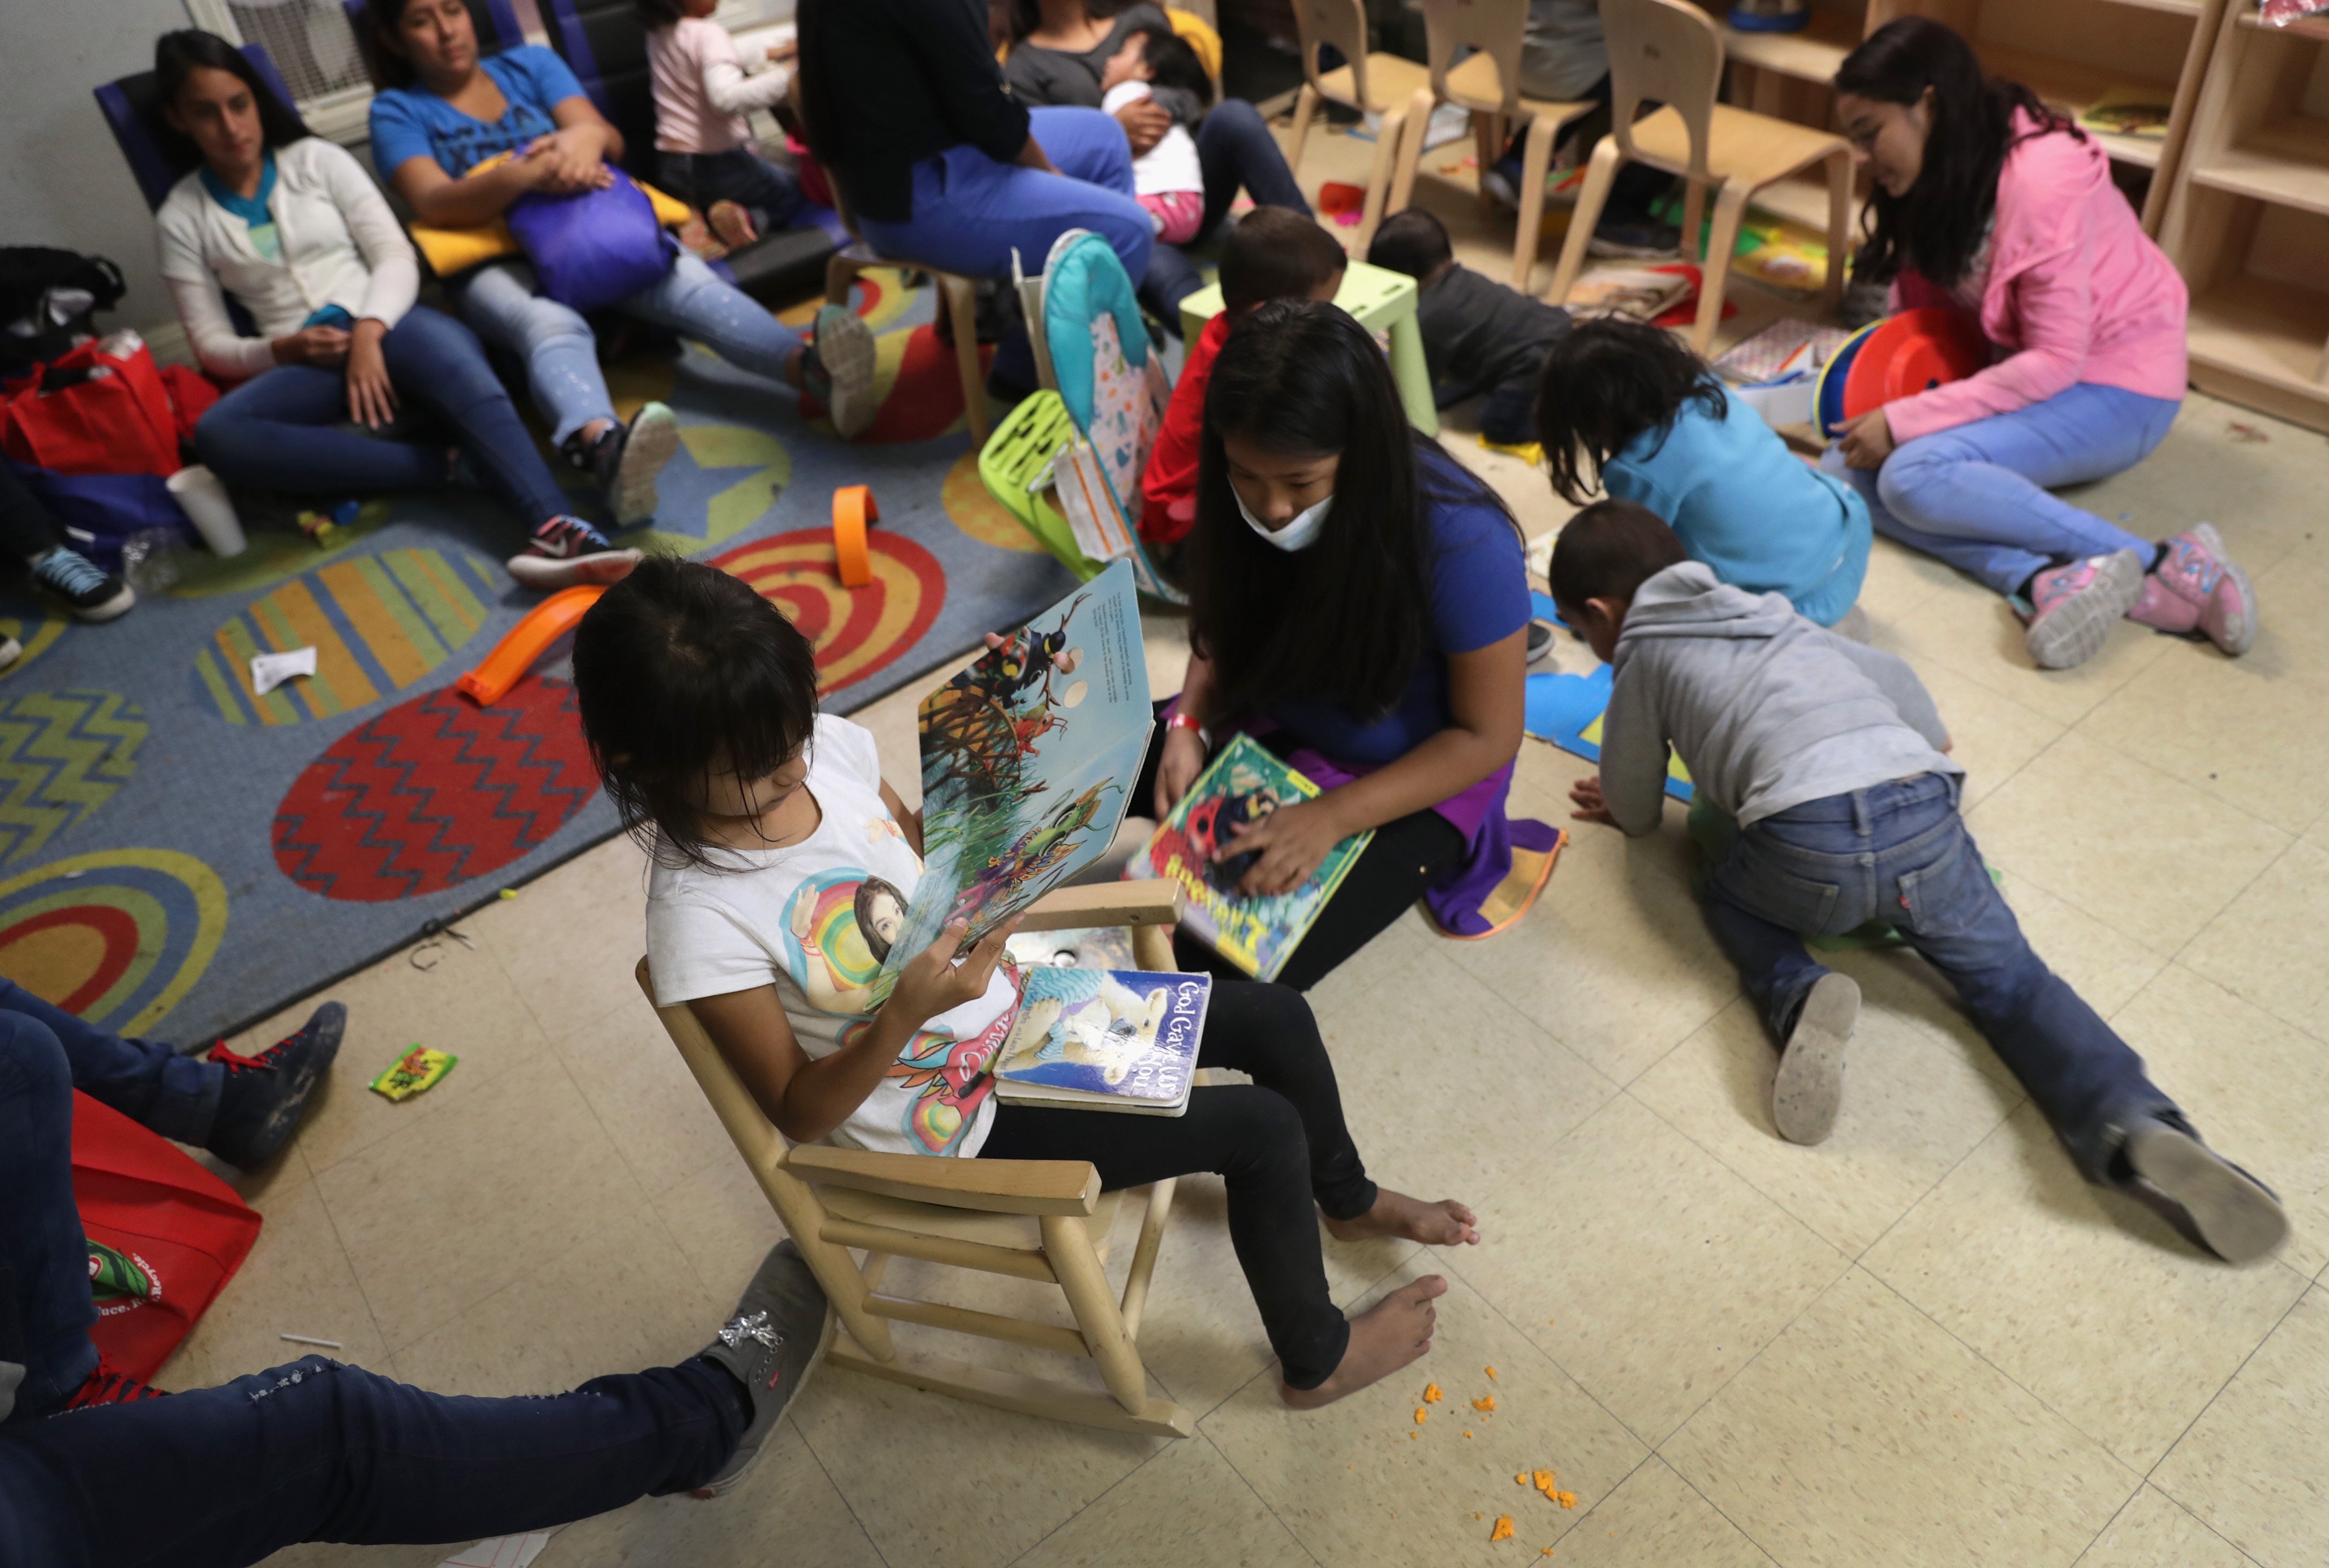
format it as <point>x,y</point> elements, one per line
<point>180,854</point>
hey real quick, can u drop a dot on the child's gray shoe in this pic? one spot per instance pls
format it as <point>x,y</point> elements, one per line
<point>2232,1214</point>
<point>771,1344</point>
<point>1810,1082</point>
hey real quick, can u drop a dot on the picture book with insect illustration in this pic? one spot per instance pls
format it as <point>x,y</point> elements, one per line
<point>1243,785</point>
<point>1028,759</point>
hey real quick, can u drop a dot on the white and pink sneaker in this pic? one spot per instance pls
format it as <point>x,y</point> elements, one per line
<point>2197,586</point>
<point>2073,607</point>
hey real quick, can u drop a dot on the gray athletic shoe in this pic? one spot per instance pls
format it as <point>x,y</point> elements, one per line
<point>1810,1082</point>
<point>771,1344</point>
<point>2072,608</point>
<point>2232,1214</point>
<point>627,474</point>
<point>838,370</point>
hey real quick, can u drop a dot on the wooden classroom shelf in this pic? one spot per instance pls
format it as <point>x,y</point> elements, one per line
<point>2068,51</point>
<point>2247,223</point>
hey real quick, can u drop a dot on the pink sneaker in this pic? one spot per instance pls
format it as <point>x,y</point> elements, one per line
<point>2074,607</point>
<point>2196,570</point>
<point>2162,607</point>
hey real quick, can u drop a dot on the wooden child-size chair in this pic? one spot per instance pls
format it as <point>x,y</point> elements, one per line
<point>1488,83</point>
<point>1668,52</point>
<point>1045,1220</point>
<point>1398,90</point>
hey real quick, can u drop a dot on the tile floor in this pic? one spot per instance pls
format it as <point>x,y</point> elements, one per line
<point>1925,1342</point>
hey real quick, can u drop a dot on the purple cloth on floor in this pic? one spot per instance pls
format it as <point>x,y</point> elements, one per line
<point>1476,812</point>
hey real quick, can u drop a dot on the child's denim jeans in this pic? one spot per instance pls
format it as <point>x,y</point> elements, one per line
<point>1899,852</point>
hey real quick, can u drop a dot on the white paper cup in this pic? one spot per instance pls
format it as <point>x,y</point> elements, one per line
<point>202,496</point>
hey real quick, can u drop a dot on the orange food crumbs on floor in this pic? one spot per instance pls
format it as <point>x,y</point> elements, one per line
<point>1491,1372</point>
<point>1431,1394</point>
<point>1415,1436</point>
<point>1467,1434</point>
<point>1486,1403</point>
<point>1421,1415</point>
<point>1504,1530</point>
<point>1521,1480</point>
<point>1566,1499</point>
<point>1544,1479</point>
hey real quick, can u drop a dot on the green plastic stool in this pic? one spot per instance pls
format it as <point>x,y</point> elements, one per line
<point>1020,449</point>
<point>1380,300</point>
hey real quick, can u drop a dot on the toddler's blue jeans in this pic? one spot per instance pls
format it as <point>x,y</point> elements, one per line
<point>1976,495</point>
<point>1900,852</point>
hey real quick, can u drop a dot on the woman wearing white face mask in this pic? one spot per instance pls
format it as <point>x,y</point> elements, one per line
<point>1359,604</point>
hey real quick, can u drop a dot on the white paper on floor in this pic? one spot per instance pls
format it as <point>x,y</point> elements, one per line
<point>501,1551</point>
<point>269,671</point>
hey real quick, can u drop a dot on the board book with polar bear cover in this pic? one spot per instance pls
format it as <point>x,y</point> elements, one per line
<point>1103,1039</point>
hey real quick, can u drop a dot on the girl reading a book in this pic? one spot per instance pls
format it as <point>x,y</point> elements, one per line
<point>1359,605</point>
<point>699,701</point>
<point>1627,406</point>
<point>1988,201</point>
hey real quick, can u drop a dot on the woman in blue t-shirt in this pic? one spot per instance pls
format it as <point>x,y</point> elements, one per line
<point>1359,604</point>
<point>443,112</point>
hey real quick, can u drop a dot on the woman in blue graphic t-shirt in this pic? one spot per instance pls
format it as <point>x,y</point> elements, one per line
<point>443,112</point>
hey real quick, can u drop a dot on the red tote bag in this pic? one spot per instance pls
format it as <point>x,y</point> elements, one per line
<point>120,422</point>
<point>164,1236</point>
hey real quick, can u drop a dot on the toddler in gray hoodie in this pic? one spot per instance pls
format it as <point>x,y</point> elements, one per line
<point>1834,761</point>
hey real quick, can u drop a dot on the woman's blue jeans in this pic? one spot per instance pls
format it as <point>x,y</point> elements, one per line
<point>45,1054</point>
<point>504,303</point>
<point>315,1451</point>
<point>1900,852</point>
<point>971,213</point>
<point>1976,496</point>
<point>287,429</point>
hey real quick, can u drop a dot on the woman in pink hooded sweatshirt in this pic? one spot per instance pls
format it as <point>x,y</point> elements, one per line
<point>1988,201</point>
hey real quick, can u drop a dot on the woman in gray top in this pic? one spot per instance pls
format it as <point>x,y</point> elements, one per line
<point>1058,49</point>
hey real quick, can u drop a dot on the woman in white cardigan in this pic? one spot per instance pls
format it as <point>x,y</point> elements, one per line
<point>291,227</point>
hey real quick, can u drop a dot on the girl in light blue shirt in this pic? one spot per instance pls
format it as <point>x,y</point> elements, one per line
<point>1656,427</point>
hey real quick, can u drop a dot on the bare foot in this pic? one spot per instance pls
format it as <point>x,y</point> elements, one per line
<point>1388,1335</point>
<point>1444,1224</point>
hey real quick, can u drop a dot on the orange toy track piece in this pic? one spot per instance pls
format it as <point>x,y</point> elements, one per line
<point>852,509</point>
<point>514,655</point>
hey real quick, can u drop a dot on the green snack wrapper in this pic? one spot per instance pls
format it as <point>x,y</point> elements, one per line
<point>419,1068</point>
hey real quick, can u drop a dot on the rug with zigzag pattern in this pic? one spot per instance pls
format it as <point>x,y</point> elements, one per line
<point>180,855</point>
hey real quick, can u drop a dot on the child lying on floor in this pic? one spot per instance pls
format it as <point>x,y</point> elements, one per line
<point>781,862</point>
<point>1656,427</point>
<point>1478,336</point>
<point>1833,759</point>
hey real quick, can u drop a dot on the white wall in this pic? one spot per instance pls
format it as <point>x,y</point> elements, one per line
<point>63,181</point>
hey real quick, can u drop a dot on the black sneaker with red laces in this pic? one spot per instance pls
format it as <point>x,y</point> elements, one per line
<point>108,1384</point>
<point>261,1101</point>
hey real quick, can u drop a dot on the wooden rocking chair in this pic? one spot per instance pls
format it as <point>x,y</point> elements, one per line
<point>1041,1220</point>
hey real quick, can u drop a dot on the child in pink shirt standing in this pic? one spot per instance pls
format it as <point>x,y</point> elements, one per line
<point>1987,200</point>
<point>705,152</point>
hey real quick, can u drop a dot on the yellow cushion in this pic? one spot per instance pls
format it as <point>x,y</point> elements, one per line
<point>449,251</point>
<point>1198,34</point>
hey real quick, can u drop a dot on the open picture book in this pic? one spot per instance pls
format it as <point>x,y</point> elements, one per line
<point>1028,761</point>
<point>1243,785</point>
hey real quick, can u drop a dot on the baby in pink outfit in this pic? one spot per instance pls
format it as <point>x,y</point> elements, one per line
<point>1165,179</point>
